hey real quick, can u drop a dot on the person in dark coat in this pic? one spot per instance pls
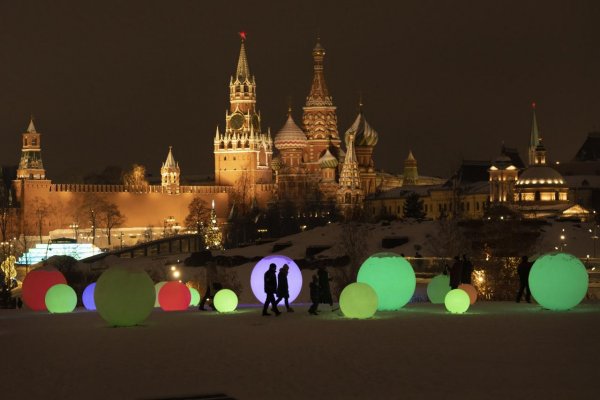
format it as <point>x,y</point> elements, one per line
<point>523,270</point>
<point>270,290</point>
<point>315,295</point>
<point>282,287</point>
<point>324,286</point>
<point>208,298</point>
<point>455,273</point>
<point>467,270</point>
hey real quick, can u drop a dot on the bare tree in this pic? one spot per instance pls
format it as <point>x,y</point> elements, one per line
<point>41,211</point>
<point>90,210</point>
<point>135,177</point>
<point>353,242</point>
<point>110,217</point>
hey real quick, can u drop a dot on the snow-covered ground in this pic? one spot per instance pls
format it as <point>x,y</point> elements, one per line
<point>495,351</point>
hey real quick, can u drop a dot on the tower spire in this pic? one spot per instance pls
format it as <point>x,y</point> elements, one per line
<point>319,94</point>
<point>243,71</point>
<point>31,127</point>
<point>535,137</point>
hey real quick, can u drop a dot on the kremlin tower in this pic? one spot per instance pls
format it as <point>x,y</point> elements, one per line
<point>31,165</point>
<point>170,173</point>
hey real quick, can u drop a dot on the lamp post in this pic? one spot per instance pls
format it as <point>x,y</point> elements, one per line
<point>562,240</point>
<point>75,228</point>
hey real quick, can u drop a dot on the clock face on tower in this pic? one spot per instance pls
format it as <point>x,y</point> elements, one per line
<point>237,121</point>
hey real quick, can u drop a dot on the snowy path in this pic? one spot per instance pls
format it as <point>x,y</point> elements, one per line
<point>496,351</point>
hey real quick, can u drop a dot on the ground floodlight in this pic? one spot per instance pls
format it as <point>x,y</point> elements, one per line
<point>88,297</point>
<point>257,278</point>
<point>156,290</point>
<point>225,300</point>
<point>174,296</point>
<point>195,297</point>
<point>438,288</point>
<point>60,299</point>
<point>457,301</point>
<point>392,278</point>
<point>124,296</point>
<point>36,285</point>
<point>471,291</point>
<point>558,281</point>
<point>358,300</point>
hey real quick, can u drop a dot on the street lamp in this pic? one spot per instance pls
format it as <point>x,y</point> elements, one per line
<point>75,228</point>
<point>562,240</point>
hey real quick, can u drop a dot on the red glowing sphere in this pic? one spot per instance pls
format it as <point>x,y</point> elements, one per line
<point>37,283</point>
<point>174,296</point>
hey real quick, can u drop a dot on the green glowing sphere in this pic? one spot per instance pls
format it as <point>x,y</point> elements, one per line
<point>392,278</point>
<point>195,297</point>
<point>438,288</point>
<point>225,300</point>
<point>61,298</point>
<point>558,281</point>
<point>358,300</point>
<point>124,296</point>
<point>157,288</point>
<point>457,301</point>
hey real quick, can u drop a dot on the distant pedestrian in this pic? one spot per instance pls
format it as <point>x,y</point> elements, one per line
<point>270,290</point>
<point>207,298</point>
<point>282,287</point>
<point>324,286</point>
<point>467,270</point>
<point>455,273</point>
<point>315,295</point>
<point>523,269</point>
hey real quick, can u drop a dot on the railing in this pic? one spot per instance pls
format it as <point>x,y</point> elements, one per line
<point>168,245</point>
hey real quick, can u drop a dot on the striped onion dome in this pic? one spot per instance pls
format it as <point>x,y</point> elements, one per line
<point>290,136</point>
<point>328,160</point>
<point>365,134</point>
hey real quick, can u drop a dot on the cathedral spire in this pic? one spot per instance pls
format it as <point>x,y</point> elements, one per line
<point>319,94</point>
<point>31,127</point>
<point>535,137</point>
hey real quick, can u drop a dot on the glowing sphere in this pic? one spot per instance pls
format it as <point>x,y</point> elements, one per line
<point>558,281</point>
<point>471,291</point>
<point>257,278</point>
<point>124,296</point>
<point>61,298</point>
<point>358,300</point>
<point>37,283</point>
<point>88,297</point>
<point>195,297</point>
<point>174,296</point>
<point>392,278</point>
<point>156,290</point>
<point>438,288</point>
<point>225,300</point>
<point>457,301</point>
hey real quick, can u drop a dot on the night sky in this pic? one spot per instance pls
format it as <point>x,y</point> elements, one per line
<point>113,83</point>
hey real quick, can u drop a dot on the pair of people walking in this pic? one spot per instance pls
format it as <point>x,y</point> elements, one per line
<point>461,271</point>
<point>276,286</point>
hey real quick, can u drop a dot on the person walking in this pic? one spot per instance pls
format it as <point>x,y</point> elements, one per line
<point>467,270</point>
<point>455,273</point>
<point>270,290</point>
<point>282,287</point>
<point>315,295</point>
<point>324,286</point>
<point>523,269</point>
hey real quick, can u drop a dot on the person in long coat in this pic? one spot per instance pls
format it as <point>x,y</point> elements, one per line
<point>324,286</point>
<point>523,269</point>
<point>467,270</point>
<point>282,287</point>
<point>315,295</point>
<point>455,273</point>
<point>270,290</point>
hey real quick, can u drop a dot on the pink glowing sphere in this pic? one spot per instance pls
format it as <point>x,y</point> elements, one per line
<point>257,278</point>
<point>471,291</point>
<point>174,296</point>
<point>36,285</point>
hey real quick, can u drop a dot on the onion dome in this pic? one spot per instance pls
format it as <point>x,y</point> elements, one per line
<point>365,134</point>
<point>290,136</point>
<point>540,176</point>
<point>276,164</point>
<point>328,160</point>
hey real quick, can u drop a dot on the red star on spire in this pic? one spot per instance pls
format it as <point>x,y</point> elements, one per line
<point>243,35</point>
<point>533,105</point>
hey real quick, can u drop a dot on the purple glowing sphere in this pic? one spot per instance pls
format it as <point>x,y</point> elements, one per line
<point>88,297</point>
<point>257,278</point>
